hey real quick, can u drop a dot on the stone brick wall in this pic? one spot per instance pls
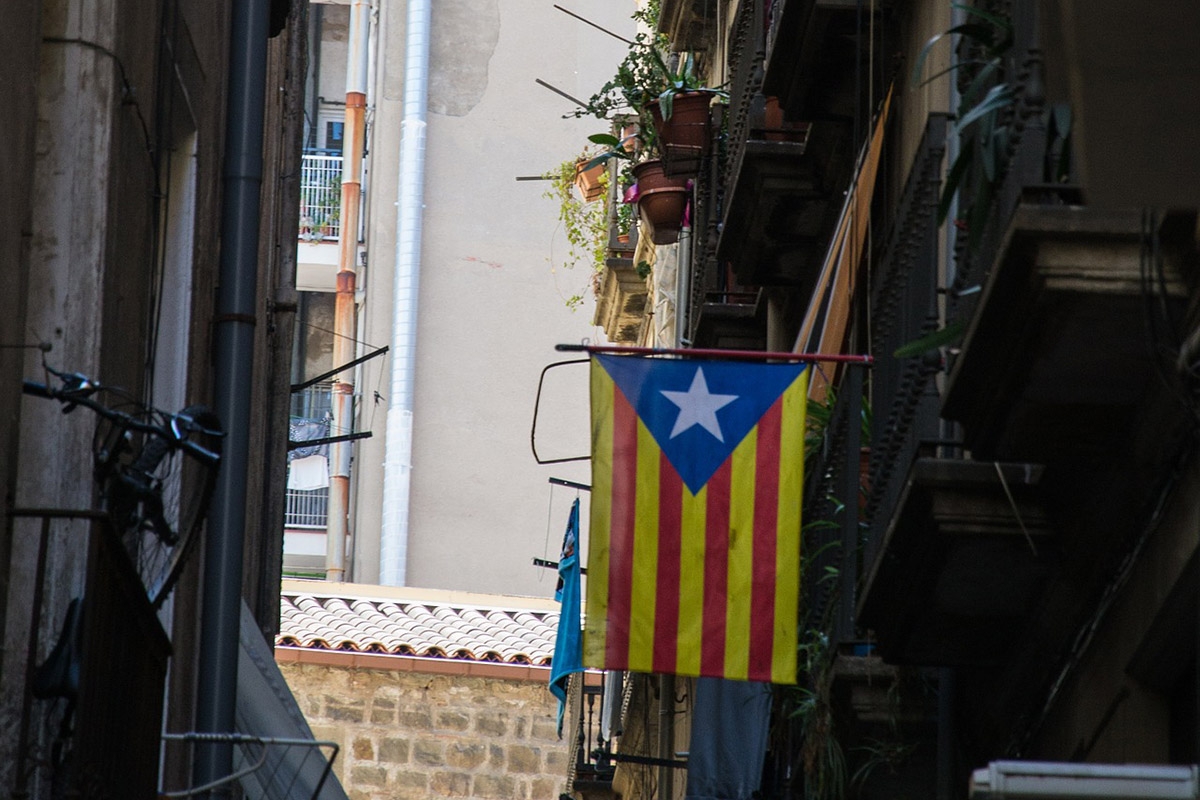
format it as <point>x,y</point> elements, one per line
<point>407,734</point>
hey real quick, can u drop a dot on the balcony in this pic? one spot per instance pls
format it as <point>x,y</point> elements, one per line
<point>1060,366</point>
<point>1068,292</point>
<point>810,56</point>
<point>1060,394</point>
<point>311,412</point>
<point>731,319</point>
<point>589,730</point>
<point>307,509</point>
<point>871,466</point>
<point>783,182</point>
<point>622,290</point>
<point>957,550</point>
<point>320,196</point>
<point>621,301</point>
<point>967,552</point>
<point>954,553</point>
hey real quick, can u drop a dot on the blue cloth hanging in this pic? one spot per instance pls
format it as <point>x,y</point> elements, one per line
<point>568,645</point>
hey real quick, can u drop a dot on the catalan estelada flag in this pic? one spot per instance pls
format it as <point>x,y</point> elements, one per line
<point>694,555</point>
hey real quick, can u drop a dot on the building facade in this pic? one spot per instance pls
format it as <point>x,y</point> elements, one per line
<point>490,252</point>
<point>117,192</point>
<point>998,563</point>
<point>429,693</point>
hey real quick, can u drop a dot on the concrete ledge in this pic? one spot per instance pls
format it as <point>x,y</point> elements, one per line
<point>433,666</point>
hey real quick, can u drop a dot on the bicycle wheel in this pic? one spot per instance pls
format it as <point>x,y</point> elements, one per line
<point>170,491</point>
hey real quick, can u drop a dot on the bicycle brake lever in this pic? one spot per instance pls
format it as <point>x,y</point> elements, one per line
<point>193,426</point>
<point>75,384</point>
<point>201,452</point>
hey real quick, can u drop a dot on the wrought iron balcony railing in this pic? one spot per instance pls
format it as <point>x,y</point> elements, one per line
<point>592,724</point>
<point>862,443</point>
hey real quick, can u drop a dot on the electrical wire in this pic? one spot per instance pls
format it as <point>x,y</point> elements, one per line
<point>1163,339</point>
<point>128,97</point>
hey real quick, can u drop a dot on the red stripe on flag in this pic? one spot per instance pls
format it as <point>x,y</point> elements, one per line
<point>620,569</point>
<point>666,603</point>
<point>716,573</point>
<point>766,524</point>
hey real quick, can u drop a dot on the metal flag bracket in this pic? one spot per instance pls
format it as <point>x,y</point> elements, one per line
<point>537,403</point>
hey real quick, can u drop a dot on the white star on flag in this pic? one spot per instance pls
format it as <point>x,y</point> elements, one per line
<point>697,406</point>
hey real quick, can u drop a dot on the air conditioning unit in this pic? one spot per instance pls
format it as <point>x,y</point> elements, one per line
<point>1031,780</point>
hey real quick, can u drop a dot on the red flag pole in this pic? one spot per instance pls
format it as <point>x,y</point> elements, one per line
<point>742,355</point>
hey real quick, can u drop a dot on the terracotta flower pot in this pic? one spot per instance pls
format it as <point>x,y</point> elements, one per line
<point>588,182</point>
<point>777,129</point>
<point>683,137</point>
<point>662,201</point>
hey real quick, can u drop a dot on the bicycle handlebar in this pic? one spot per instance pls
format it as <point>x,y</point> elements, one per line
<point>174,432</point>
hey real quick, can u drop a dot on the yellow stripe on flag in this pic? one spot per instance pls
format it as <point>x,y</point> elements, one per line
<point>596,627</point>
<point>741,557</point>
<point>645,554</point>
<point>787,548</point>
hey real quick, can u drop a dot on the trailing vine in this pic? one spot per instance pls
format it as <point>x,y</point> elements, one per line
<point>584,222</point>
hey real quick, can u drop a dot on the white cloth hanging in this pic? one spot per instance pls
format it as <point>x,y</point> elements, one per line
<point>311,472</point>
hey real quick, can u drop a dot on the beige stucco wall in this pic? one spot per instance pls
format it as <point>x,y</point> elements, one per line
<point>492,305</point>
<point>420,735</point>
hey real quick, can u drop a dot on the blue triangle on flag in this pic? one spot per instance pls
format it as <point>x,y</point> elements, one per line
<point>698,411</point>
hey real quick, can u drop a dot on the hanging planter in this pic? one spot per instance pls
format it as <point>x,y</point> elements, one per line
<point>589,180</point>
<point>661,200</point>
<point>683,129</point>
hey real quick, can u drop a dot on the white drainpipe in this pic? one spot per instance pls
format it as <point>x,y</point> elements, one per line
<point>397,464</point>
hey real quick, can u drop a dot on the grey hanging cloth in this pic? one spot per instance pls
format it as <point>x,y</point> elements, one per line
<point>729,739</point>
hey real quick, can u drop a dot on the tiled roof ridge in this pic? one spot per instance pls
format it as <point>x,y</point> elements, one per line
<point>414,595</point>
<point>418,623</point>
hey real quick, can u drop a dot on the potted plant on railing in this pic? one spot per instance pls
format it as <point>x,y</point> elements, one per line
<point>661,199</point>
<point>582,213</point>
<point>681,115</point>
<point>670,100</point>
<point>590,180</point>
<point>671,130</point>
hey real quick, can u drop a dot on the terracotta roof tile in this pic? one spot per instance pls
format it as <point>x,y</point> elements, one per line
<point>418,622</point>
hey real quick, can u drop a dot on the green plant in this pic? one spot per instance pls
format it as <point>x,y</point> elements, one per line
<point>640,76</point>
<point>821,754</point>
<point>875,753</point>
<point>645,75</point>
<point>979,121</point>
<point>624,218</point>
<point>584,222</point>
<point>321,211</point>
<point>941,337</point>
<point>817,416</point>
<point>889,751</point>
<point>613,148</point>
<point>981,124</point>
<point>680,80</point>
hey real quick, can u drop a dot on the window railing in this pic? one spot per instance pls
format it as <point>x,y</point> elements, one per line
<point>591,760</point>
<point>320,197</point>
<point>315,402</point>
<point>307,508</point>
<point>311,409</point>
